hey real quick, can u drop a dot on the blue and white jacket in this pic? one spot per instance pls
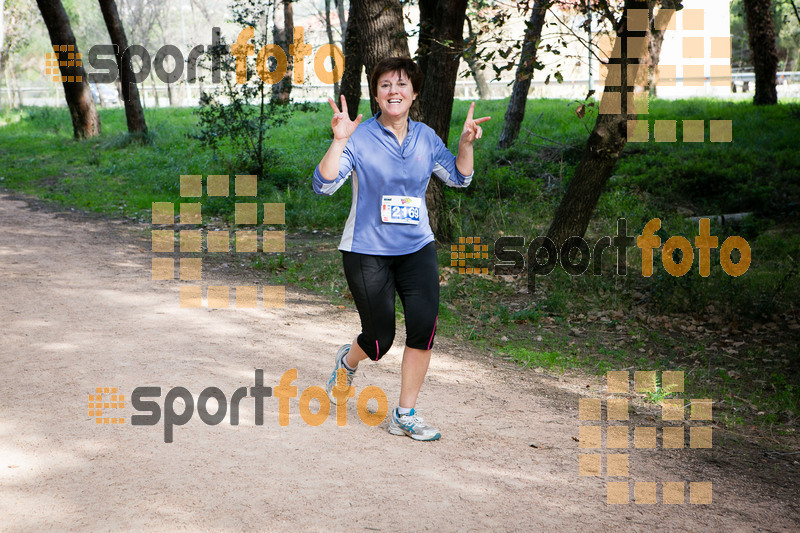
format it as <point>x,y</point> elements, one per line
<point>379,166</point>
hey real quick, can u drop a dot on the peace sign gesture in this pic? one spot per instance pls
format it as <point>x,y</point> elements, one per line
<point>341,124</point>
<point>471,129</point>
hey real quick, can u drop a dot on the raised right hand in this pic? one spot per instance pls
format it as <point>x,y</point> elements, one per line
<point>341,124</point>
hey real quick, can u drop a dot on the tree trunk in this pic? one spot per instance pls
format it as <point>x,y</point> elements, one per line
<point>477,74</point>
<point>130,91</point>
<point>283,33</point>
<point>761,33</point>
<point>4,57</point>
<point>351,79</point>
<point>329,30</point>
<point>85,120</point>
<point>605,144</point>
<point>470,56</point>
<point>655,39</point>
<point>441,42</point>
<point>18,89</point>
<point>603,149</point>
<point>342,21</point>
<point>155,90</point>
<point>515,113</point>
<point>9,92</point>
<point>379,24</point>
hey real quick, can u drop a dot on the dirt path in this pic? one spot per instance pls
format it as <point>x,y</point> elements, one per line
<point>78,310</point>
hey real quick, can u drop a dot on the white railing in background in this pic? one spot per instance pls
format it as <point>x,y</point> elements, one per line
<point>52,94</point>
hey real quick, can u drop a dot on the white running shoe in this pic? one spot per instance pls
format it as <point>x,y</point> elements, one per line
<point>413,426</point>
<point>350,374</point>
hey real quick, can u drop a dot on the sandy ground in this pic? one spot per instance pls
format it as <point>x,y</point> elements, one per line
<point>79,310</point>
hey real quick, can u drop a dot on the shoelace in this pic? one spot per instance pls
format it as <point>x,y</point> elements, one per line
<point>415,420</point>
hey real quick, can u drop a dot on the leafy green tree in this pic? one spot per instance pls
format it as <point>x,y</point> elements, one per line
<point>242,115</point>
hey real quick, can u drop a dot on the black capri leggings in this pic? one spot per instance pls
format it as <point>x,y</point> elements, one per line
<point>373,280</point>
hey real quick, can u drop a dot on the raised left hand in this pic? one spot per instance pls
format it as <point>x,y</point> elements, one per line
<point>471,129</point>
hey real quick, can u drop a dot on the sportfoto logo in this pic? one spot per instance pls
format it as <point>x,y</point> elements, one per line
<point>141,402</point>
<point>103,60</point>
<point>543,255</point>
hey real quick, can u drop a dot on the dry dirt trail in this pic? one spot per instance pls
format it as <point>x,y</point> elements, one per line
<point>78,310</point>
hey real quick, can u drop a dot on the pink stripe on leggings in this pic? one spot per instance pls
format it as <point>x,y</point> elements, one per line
<point>432,332</point>
<point>377,350</point>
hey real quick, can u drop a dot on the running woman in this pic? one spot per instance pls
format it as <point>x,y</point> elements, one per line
<point>387,244</point>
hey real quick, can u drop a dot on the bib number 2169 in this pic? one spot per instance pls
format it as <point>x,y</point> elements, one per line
<point>400,209</point>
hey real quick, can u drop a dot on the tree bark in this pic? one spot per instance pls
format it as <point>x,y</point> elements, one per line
<point>5,56</point>
<point>9,92</point>
<point>130,91</point>
<point>329,31</point>
<point>605,144</point>
<point>342,20</point>
<point>761,33</point>
<point>379,24</point>
<point>515,113</point>
<point>470,56</point>
<point>350,84</point>
<point>441,43</point>
<point>85,120</point>
<point>17,88</point>
<point>655,39</point>
<point>283,33</point>
<point>155,90</point>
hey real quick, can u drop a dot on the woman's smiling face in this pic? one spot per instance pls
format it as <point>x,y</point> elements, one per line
<point>395,94</point>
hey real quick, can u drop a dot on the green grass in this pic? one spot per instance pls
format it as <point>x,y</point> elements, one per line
<point>515,192</point>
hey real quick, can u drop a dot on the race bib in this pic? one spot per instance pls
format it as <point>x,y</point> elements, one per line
<point>400,209</point>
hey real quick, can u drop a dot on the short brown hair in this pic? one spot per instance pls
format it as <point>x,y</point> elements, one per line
<point>396,64</point>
